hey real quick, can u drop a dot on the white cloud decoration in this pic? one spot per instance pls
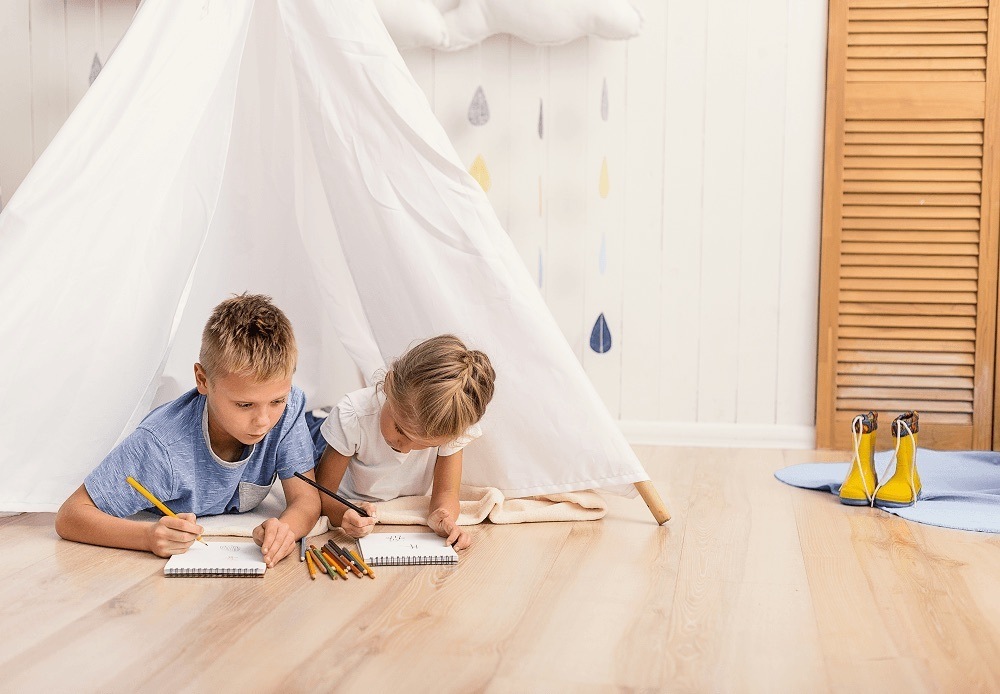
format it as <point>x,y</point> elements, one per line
<point>455,24</point>
<point>413,23</point>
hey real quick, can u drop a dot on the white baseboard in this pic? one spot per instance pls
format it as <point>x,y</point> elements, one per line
<point>716,435</point>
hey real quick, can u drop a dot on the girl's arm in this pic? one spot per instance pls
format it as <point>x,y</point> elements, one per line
<point>330,472</point>
<point>444,508</point>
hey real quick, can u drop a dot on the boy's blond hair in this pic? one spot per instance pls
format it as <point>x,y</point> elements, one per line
<point>250,336</point>
<point>440,386</point>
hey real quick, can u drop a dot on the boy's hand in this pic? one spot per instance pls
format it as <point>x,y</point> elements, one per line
<point>169,535</point>
<point>355,525</point>
<point>276,540</point>
<point>441,522</point>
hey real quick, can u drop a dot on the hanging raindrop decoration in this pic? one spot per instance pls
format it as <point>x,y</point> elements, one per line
<point>600,336</point>
<point>95,68</point>
<point>602,257</point>
<point>604,100</point>
<point>604,186</point>
<point>539,268</point>
<point>541,127</point>
<point>479,109</point>
<point>481,173</point>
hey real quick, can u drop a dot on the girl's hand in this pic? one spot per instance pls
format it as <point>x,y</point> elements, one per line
<point>444,525</point>
<point>169,536</point>
<point>276,540</point>
<point>355,525</point>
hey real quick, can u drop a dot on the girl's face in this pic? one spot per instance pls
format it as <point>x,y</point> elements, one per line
<point>399,433</point>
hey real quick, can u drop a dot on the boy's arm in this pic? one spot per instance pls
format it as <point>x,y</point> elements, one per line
<point>302,505</point>
<point>80,520</point>
<point>277,536</point>
<point>444,507</point>
<point>330,473</point>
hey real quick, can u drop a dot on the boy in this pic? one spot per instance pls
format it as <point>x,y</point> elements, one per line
<point>216,449</point>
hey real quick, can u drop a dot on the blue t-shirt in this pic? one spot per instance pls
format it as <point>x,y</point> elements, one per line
<point>169,455</point>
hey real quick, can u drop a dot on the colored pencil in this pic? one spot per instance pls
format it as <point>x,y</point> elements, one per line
<point>347,557</point>
<point>336,557</point>
<point>371,574</point>
<point>349,563</point>
<point>334,562</point>
<point>311,565</point>
<point>319,565</point>
<point>302,548</point>
<point>328,565</point>
<point>361,512</point>
<point>156,502</point>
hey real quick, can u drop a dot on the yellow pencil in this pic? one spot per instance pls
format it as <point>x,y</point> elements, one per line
<point>311,565</point>
<point>322,560</point>
<point>371,574</point>
<point>156,502</point>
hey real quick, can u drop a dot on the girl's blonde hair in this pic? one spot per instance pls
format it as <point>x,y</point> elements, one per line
<point>250,336</point>
<point>440,386</point>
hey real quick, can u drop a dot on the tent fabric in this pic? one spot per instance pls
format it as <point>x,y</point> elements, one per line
<point>275,146</point>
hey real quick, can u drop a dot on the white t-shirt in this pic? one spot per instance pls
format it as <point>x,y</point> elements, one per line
<point>376,472</point>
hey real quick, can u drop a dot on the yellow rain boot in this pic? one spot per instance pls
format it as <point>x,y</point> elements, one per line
<point>859,486</point>
<point>903,488</point>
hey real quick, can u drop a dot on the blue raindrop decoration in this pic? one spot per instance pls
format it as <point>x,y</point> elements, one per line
<point>479,110</point>
<point>541,129</point>
<point>604,100</point>
<point>95,68</point>
<point>602,258</point>
<point>600,336</point>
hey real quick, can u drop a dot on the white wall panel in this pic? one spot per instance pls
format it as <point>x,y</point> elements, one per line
<point>760,225</point>
<point>683,199</point>
<point>801,212</point>
<point>642,228</point>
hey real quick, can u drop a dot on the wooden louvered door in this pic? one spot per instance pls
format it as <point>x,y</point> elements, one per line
<point>908,280</point>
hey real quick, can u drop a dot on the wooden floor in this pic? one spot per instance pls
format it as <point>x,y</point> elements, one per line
<point>753,586</point>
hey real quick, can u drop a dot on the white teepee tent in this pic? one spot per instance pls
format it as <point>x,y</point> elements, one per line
<point>278,146</point>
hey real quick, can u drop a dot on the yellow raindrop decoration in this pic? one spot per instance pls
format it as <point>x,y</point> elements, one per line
<point>481,173</point>
<point>604,185</point>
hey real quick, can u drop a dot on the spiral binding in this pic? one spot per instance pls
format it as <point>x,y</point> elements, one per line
<point>214,573</point>
<point>411,561</point>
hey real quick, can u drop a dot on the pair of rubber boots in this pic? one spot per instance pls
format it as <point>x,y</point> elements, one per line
<point>861,487</point>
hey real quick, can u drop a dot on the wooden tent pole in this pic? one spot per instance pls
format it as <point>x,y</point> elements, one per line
<point>652,498</point>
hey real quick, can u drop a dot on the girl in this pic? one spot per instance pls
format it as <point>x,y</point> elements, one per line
<point>405,435</point>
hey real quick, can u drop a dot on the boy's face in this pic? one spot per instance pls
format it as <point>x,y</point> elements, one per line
<point>398,433</point>
<point>241,408</point>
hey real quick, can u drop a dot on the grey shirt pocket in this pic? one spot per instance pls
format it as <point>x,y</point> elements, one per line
<point>252,494</point>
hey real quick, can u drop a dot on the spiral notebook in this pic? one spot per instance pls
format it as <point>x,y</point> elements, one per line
<point>236,559</point>
<point>406,549</point>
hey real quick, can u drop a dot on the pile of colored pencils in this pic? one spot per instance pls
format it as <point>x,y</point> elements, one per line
<point>333,560</point>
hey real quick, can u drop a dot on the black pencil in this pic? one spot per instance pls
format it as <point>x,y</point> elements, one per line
<point>340,550</point>
<point>361,512</point>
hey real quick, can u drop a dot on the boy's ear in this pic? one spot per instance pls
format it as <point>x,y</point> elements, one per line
<point>201,379</point>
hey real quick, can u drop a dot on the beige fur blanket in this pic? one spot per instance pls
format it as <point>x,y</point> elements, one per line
<point>477,504</point>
